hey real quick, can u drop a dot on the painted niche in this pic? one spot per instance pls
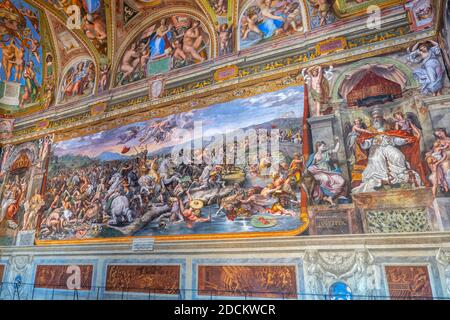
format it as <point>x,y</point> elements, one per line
<point>170,43</point>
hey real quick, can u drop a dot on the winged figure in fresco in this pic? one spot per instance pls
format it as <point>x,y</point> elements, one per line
<point>408,123</point>
<point>32,16</point>
<point>431,73</point>
<point>128,135</point>
<point>160,131</point>
<point>322,8</point>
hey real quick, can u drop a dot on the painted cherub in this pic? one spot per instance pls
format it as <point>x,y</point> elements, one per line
<point>178,53</point>
<point>249,24</point>
<point>104,75</point>
<point>35,48</point>
<point>359,126</point>
<point>292,12</point>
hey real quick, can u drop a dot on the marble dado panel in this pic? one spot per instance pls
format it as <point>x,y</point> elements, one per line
<point>396,267</point>
<point>59,277</point>
<point>408,282</point>
<point>156,279</point>
<point>270,281</point>
<point>400,211</point>
<point>398,220</point>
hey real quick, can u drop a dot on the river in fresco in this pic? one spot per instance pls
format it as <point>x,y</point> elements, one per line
<point>220,224</point>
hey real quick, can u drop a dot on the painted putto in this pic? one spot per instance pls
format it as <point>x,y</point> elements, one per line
<point>21,71</point>
<point>172,42</point>
<point>267,19</point>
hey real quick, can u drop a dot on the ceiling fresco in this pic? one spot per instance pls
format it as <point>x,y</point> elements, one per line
<point>130,40</point>
<point>22,72</point>
<point>89,16</point>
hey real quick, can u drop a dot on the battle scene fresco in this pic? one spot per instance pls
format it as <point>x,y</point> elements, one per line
<point>21,72</point>
<point>158,178</point>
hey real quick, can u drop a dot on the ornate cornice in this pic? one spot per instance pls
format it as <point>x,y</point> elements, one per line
<point>192,83</point>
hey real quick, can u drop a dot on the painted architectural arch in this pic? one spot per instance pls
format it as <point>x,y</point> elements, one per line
<point>78,80</point>
<point>170,41</point>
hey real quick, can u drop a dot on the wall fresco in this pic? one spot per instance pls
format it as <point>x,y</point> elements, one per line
<point>21,172</point>
<point>406,282</point>
<point>266,20</point>
<point>127,181</point>
<point>445,33</point>
<point>22,73</point>
<point>59,277</point>
<point>321,13</point>
<point>143,279</point>
<point>257,281</point>
<point>78,81</point>
<point>92,20</point>
<point>375,131</point>
<point>172,42</point>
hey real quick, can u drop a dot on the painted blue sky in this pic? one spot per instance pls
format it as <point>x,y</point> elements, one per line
<point>216,119</point>
<point>19,4</point>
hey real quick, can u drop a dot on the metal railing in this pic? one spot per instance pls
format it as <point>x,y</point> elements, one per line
<point>24,291</point>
